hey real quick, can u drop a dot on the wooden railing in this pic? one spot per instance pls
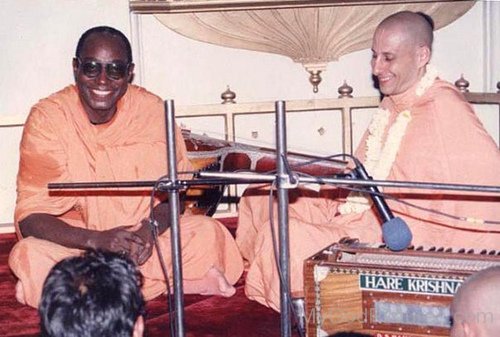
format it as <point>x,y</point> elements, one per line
<point>346,108</point>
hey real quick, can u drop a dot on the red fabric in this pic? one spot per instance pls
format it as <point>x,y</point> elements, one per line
<point>204,316</point>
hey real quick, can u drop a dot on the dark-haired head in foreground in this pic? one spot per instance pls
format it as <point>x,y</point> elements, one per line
<point>96,294</point>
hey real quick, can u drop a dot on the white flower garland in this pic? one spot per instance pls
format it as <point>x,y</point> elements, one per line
<point>431,73</point>
<point>380,158</point>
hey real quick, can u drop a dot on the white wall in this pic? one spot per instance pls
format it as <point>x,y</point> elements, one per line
<point>38,39</point>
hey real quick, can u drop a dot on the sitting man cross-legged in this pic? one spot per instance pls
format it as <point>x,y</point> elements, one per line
<point>424,131</point>
<point>95,294</point>
<point>104,129</point>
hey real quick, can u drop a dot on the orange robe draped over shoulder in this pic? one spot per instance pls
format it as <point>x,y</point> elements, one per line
<point>444,143</point>
<point>59,144</point>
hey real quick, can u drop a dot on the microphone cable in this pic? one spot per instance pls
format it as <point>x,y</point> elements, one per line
<point>154,231</point>
<point>430,210</point>
<point>357,162</point>
<point>320,181</point>
<point>276,260</point>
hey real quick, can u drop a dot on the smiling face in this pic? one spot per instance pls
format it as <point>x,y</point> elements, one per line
<point>100,94</point>
<point>398,61</point>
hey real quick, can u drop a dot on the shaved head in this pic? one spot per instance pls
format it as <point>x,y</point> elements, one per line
<point>475,308</point>
<point>416,26</point>
<point>401,49</point>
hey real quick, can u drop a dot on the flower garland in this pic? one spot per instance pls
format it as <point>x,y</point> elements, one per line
<point>380,157</point>
<point>431,73</point>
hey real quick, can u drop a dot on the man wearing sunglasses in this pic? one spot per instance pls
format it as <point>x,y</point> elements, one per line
<point>106,129</point>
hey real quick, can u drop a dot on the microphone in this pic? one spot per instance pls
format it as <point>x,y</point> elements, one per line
<point>395,232</point>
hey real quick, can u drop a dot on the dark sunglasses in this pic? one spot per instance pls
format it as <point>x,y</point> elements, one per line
<point>114,70</point>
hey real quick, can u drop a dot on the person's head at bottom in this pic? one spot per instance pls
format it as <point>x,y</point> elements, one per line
<point>95,294</point>
<point>475,309</point>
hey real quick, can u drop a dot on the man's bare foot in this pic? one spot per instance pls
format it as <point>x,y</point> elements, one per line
<point>20,293</point>
<point>213,283</point>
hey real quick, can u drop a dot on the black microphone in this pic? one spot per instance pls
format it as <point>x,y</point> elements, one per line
<point>395,232</point>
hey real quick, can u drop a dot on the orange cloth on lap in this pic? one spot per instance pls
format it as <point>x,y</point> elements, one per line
<point>60,144</point>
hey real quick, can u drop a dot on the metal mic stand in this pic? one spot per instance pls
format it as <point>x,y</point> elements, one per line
<point>283,184</point>
<point>173,200</point>
<point>173,193</point>
<point>224,178</point>
<point>244,178</point>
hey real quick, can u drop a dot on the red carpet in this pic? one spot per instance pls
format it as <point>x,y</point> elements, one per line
<point>204,316</point>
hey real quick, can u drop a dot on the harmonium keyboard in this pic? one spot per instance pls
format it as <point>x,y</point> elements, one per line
<point>370,290</point>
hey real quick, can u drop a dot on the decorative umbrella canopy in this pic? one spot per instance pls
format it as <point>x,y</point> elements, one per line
<point>312,36</point>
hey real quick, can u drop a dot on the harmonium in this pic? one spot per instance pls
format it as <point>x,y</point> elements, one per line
<point>351,287</point>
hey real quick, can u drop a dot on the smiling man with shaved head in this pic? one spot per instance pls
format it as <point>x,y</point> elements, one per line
<point>424,131</point>
<point>401,49</point>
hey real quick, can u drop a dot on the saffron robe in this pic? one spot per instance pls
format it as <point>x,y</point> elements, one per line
<point>59,144</point>
<point>444,143</point>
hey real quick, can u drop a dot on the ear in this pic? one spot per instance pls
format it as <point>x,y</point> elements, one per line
<point>75,67</point>
<point>138,327</point>
<point>423,55</point>
<point>130,75</point>
<point>468,330</point>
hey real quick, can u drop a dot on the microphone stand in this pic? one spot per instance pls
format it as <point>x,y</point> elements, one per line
<point>173,200</point>
<point>225,178</point>
<point>283,184</point>
<point>235,178</point>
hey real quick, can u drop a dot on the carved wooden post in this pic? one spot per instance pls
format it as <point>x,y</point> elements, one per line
<point>345,91</point>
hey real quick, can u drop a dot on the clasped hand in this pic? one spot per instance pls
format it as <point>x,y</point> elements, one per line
<point>137,244</point>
